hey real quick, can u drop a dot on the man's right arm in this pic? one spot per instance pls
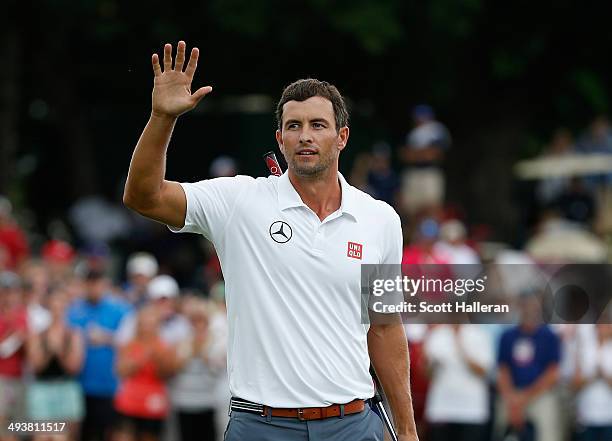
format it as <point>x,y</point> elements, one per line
<point>146,190</point>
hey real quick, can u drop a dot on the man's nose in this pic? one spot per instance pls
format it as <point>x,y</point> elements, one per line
<point>305,136</point>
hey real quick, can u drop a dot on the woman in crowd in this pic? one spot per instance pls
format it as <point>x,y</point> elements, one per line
<point>460,358</point>
<point>143,364</point>
<point>201,363</point>
<point>56,357</point>
<point>593,382</point>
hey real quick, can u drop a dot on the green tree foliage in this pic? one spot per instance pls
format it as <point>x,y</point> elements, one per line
<point>500,68</point>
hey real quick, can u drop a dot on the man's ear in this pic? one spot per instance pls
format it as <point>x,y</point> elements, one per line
<point>279,141</point>
<point>343,136</point>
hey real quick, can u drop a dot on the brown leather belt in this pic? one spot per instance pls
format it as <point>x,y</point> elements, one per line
<point>302,414</point>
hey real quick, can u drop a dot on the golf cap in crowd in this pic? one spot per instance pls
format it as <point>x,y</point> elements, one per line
<point>57,251</point>
<point>162,287</point>
<point>142,263</point>
<point>429,229</point>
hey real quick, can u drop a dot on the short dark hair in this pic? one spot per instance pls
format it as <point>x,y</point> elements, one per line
<point>301,90</point>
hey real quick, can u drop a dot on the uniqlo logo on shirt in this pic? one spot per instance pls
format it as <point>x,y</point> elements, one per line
<point>354,250</point>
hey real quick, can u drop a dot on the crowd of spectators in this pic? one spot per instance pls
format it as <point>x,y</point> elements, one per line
<point>141,360</point>
<point>135,356</point>
<point>530,381</point>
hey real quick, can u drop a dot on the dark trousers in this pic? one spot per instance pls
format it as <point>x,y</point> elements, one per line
<point>595,433</point>
<point>197,426</point>
<point>527,433</point>
<point>456,432</point>
<point>100,419</point>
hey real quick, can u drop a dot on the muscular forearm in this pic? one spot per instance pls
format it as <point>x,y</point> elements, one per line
<point>389,354</point>
<point>148,165</point>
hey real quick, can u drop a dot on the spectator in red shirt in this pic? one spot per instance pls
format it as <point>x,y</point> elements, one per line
<point>13,330</point>
<point>12,238</point>
<point>59,257</point>
<point>144,364</point>
<point>422,250</point>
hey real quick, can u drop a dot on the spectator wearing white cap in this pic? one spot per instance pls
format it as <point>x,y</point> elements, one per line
<point>141,268</point>
<point>162,293</point>
<point>453,244</point>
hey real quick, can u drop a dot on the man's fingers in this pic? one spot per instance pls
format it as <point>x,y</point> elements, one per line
<point>180,56</point>
<point>201,93</point>
<point>167,57</point>
<point>156,67</point>
<point>193,62</point>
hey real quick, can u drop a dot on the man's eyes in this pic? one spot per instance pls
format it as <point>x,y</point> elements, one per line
<point>316,125</point>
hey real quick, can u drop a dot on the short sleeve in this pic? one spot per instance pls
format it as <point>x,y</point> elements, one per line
<point>504,356</point>
<point>389,267</point>
<point>210,204</point>
<point>393,240</point>
<point>553,349</point>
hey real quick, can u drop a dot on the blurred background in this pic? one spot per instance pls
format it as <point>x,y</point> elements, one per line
<point>485,124</point>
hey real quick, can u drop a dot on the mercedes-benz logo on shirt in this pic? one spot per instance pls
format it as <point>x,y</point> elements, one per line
<point>280,232</point>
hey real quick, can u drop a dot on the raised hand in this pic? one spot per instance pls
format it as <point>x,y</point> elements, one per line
<point>172,87</point>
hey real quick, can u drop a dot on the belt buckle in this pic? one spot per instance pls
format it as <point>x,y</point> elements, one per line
<point>300,414</point>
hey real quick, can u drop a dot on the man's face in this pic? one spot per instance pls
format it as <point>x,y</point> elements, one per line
<point>140,281</point>
<point>530,311</point>
<point>165,307</point>
<point>308,139</point>
<point>95,289</point>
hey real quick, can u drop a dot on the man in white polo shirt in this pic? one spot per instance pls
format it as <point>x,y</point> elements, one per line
<point>291,250</point>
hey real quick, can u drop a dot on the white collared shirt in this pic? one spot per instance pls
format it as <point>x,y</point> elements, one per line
<point>296,336</point>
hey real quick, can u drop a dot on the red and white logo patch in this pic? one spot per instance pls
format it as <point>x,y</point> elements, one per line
<point>354,250</point>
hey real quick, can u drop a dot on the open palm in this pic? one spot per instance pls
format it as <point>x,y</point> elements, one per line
<point>172,87</point>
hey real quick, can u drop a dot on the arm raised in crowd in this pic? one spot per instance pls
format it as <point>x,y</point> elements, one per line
<point>146,190</point>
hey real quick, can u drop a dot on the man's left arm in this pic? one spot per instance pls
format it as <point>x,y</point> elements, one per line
<point>388,350</point>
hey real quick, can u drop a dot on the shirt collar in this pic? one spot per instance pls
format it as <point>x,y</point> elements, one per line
<point>288,197</point>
